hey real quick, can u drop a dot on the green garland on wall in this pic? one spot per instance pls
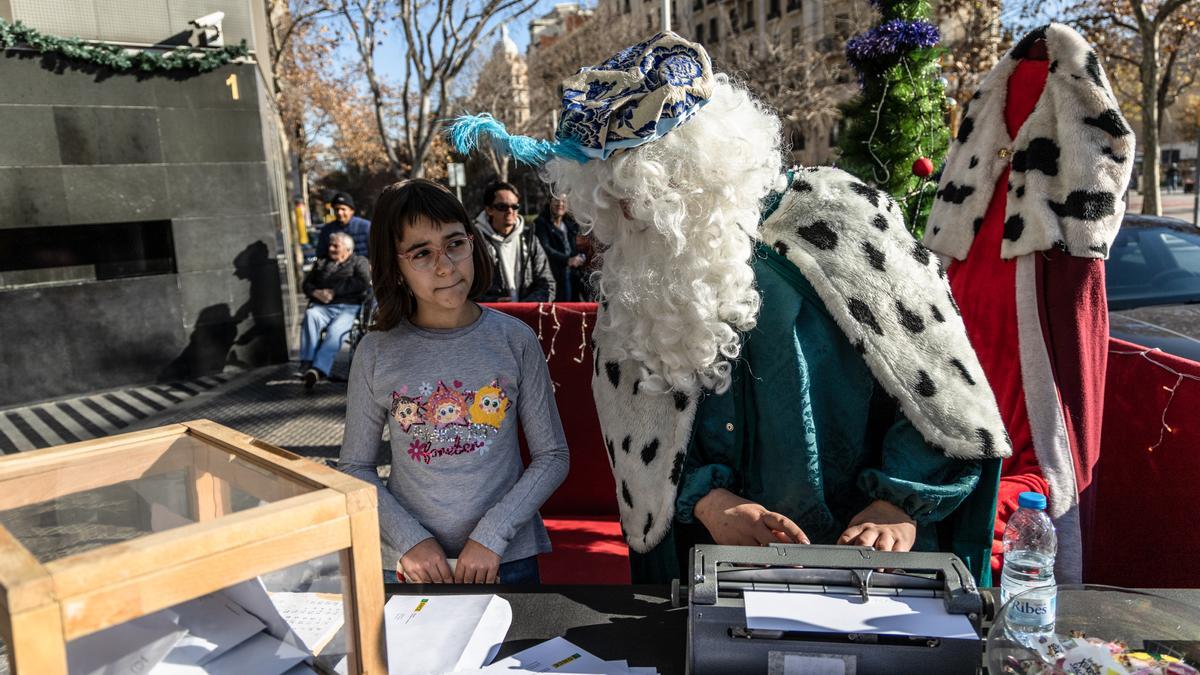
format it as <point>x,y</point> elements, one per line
<point>115,57</point>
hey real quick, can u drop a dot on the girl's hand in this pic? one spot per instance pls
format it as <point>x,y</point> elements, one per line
<point>477,564</point>
<point>426,563</point>
<point>882,525</point>
<point>736,521</point>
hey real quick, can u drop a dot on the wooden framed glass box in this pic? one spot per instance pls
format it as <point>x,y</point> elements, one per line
<point>98,533</point>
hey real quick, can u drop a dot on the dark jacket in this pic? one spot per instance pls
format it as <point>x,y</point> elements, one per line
<point>533,280</point>
<point>359,230</point>
<point>560,247</point>
<point>350,281</point>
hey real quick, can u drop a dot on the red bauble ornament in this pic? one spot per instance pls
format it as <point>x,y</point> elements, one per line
<point>923,167</point>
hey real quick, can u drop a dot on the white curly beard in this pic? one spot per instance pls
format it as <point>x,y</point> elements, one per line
<point>675,274</point>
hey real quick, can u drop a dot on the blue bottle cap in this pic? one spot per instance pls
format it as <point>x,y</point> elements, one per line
<point>1032,500</point>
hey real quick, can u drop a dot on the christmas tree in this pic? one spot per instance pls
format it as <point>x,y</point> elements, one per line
<point>895,129</point>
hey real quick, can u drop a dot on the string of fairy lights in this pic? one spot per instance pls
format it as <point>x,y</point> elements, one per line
<point>1163,428</point>
<point>554,309</point>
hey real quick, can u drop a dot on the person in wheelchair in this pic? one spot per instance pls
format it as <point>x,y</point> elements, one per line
<point>336,287</point>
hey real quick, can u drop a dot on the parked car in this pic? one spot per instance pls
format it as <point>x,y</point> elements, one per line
<point>1153,279</point>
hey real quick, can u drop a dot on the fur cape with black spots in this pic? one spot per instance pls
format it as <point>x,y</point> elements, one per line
<point>1071,159</point>
<point>889,296</point>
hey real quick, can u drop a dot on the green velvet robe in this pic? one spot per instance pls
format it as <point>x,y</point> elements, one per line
<point>805,430</point>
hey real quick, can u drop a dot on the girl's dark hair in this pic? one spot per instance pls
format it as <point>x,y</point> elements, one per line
<point>399,206</point>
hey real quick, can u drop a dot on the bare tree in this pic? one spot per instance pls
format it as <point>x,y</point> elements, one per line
<point>326,124</point>
<point>803,83</point>
<point>502,89</point>
<point>974,40</point>
<point>439,37</point>
<point>1152,50</point>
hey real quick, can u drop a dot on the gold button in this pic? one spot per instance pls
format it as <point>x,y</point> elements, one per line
<point>729,426</point>
<point>1004,152</point>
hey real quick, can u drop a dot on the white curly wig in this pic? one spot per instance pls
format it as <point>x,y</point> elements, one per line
<point>676,272</point>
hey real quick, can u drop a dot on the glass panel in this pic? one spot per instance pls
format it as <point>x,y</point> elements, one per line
<point>70,510</point>
<point>285,617</point>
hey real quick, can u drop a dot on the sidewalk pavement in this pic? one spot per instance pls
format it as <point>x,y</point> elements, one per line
<point>269,403</point>
<point>272,405</point>
<point>1174,204</point>
<point>80,418</point>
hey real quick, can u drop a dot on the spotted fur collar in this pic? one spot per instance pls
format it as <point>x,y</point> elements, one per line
<point>1071,159</point>
<point>887,294</point>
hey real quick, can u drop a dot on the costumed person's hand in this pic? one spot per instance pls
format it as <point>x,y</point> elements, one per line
<point>882,525</point>
<point>477,564</point>
<point>426,563</point>
<point>736,521</point>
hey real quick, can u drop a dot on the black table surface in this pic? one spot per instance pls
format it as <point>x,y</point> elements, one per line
<point>632,623</point>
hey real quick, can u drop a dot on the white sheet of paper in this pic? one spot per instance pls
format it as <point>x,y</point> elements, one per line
<point>315,617</point>
<point>557,655</point>
<point>215,624</point>
<point>135,646</point>
<point>261,655</point>
<point>253,597</point>
<point>442,633</point>
<point>823,613</point>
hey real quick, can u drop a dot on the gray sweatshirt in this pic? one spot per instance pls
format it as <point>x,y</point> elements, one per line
<point>451,400</point>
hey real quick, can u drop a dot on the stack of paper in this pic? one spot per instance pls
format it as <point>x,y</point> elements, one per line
<point>437,634</point>
<point>239,630</point>
<point>561,656</point>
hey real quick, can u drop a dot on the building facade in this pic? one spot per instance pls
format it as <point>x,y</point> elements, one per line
<point>142,216</point>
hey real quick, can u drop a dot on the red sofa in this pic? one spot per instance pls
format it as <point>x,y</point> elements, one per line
<point>1136,514</point>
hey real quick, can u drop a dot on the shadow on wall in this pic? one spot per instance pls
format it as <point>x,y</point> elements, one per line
<point>264,340</point>
<point>215,341</point>
<point>208,348</point>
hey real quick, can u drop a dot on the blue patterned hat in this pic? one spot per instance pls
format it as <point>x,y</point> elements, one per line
<point>636,96</point>
<point>633,98</point>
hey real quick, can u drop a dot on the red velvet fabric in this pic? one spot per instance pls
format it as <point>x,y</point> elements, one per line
<point>1140,529</point>
<point>984,285</point>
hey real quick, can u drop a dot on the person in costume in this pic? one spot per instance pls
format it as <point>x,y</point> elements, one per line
<point>1028,204</point>
<point>776,359</point>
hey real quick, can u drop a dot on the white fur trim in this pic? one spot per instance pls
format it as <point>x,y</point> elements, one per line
<point>1047,426</point>
<point>1071,159</point>
<point>646,435</point>
<point>932,370</point>
<point>889,296</point>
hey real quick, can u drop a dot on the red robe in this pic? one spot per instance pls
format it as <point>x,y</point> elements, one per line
<point>1040,328</point>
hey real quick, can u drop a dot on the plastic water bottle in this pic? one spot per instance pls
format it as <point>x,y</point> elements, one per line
<point>1029,548</point>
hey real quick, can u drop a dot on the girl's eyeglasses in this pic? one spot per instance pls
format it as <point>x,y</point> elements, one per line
<point>425,258</point>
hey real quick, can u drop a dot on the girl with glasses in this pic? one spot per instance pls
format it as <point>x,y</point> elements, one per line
<point>450,379</point>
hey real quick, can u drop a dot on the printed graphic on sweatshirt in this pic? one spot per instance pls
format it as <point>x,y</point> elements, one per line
<point>449,420</point>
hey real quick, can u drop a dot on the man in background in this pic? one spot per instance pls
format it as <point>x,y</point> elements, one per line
<point>336,286</point>
<point>347,222</point>
<point>523,270</point>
